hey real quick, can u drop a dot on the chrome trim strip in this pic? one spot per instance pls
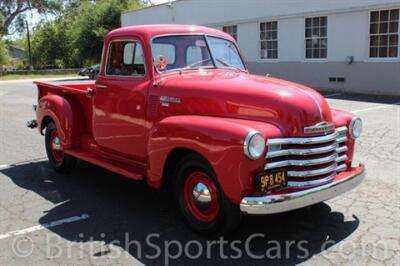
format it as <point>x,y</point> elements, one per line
<point>317,161</point>
<point>101,86</point>
<point>342,139</point>
<point>316,172</point>
<point>320,181</point>
<point>295,200</point>
<point>316,103</point>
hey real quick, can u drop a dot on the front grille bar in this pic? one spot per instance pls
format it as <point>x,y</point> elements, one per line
<point>334,143</point>
<point>325,149</point>
<point>311,140</point>
<point>310,183</point>
<point>317,161</point>
<point>310,173</point>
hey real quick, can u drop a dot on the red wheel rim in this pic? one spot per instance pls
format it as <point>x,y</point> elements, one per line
<point>210,212</point>
<point>55,146</point>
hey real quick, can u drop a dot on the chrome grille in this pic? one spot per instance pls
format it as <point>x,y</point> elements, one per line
<point>309,161</point>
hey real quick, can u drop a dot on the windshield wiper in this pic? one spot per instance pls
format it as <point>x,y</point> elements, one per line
<point>229,65</point>
<point>195,64</point>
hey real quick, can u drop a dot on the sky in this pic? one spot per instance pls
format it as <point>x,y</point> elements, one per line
<point>159,1</point>
<point>34,18</point>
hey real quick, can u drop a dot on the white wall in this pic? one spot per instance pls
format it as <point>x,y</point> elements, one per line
<point>208,12</point>
<point>347,36</point>
<point>347,23</point>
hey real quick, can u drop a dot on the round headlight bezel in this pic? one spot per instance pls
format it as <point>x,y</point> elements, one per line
<point>355,124</point>
<point>249,144</point>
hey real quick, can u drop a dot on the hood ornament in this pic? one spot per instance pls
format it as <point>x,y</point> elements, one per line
<point>323,127</point>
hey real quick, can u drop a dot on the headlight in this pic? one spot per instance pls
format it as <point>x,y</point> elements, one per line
<point>355,127</point>
<point>254,145</point>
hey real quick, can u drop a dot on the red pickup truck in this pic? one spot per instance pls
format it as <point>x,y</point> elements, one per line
<point>175,105</point>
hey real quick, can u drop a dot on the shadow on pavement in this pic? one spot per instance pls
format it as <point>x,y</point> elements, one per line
<point>121,210</point>
<point>395,100</point>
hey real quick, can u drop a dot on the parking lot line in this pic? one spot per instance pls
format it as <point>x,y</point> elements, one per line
<point>375,108</point>
<point>45,226</point>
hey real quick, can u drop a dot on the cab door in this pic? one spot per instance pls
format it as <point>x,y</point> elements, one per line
<point>119,105</point>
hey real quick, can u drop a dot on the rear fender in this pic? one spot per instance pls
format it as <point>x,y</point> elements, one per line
<point>218,140</point>
<point>60,111</point>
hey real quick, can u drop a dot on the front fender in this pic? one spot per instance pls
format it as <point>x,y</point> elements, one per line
<point>60,111</point>
<point>219,140</point>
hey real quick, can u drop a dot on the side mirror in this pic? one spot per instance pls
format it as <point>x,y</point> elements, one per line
<point>160,63</point>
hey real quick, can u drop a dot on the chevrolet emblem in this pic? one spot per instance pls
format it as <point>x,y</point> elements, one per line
<point>323,127</point>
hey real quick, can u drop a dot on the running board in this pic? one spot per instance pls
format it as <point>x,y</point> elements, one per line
<point>112,165</point>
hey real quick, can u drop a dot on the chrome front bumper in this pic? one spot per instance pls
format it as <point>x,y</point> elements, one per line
<point>295,200</point>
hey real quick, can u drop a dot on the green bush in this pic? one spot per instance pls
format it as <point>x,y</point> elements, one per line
<point>4,57</point>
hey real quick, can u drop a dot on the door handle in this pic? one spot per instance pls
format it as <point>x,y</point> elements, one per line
<point>101,86</point>
<point>90,92</point>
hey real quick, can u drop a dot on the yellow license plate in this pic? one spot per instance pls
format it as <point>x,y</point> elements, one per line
<point>271,180</point>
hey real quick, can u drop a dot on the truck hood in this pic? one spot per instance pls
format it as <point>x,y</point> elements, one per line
<point>229,93</point>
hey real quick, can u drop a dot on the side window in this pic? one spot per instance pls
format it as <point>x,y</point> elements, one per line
<point>193,55</point>
<point>125,58</point>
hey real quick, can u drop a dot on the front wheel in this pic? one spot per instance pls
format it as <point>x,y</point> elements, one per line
<point>60,161</point>
<point>200,200</point>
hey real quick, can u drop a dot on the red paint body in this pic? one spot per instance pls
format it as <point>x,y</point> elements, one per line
<point>125,129</point>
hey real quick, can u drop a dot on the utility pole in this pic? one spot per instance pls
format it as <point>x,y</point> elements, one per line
<point>29,46</point>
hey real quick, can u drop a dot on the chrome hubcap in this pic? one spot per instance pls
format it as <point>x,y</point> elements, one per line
<point>56,144</point>
<point>201,196</point>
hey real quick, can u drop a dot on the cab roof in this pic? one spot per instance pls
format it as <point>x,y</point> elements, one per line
<point>149,31</point>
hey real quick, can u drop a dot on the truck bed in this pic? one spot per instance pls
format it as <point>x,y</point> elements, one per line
<point>73,88</point>
<point>75,93</point>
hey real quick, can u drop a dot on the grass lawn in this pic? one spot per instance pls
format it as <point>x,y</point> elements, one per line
<point>34,76</point>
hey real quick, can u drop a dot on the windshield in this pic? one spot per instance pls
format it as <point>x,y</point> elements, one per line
<point>196,51</point>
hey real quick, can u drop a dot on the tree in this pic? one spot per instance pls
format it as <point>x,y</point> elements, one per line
<point>50,44</point>
<point>76,38</point>
<point>88,29</point>
<point>10,10</point>
<point>3,53</point>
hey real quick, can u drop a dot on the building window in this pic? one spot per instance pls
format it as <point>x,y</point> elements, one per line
<point>269,40</point>
<point>316,37</point>
<point>384,34</point>
<point>232,30</point>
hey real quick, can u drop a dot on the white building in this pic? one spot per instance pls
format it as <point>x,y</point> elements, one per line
<point>328,44</point>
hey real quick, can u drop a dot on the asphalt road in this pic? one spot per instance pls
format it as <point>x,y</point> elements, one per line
<point>94,217</point>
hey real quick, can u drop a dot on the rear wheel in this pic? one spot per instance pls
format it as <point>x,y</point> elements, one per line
<point>60,161</point>
<point>201,201</point>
